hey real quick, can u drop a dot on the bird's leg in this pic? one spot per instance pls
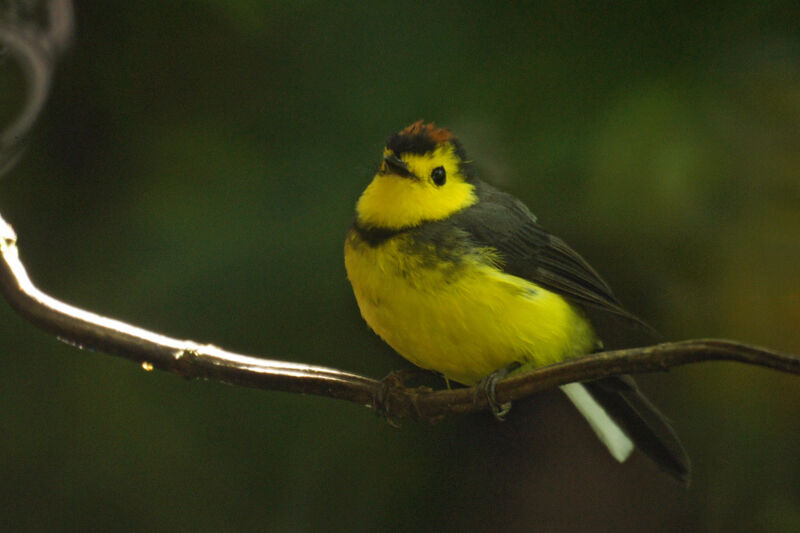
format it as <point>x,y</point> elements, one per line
<point>488,386</point>
<point>447,382</point>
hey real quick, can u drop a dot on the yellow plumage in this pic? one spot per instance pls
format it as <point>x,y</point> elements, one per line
<point>394,203</point>
<point>459,278</point>
<point>465,322</point>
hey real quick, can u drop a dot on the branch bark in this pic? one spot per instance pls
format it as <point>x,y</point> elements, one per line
<point>390,397</point>
<point>36,49</point>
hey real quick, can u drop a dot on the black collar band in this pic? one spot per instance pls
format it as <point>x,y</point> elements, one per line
<point>374,235</point>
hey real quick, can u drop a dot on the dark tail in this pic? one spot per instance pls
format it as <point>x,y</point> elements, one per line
<point>643,423</point>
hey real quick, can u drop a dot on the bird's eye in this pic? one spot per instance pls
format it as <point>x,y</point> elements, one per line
<point>439,176</point>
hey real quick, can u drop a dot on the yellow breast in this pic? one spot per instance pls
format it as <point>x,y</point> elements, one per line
<point>462,318</point>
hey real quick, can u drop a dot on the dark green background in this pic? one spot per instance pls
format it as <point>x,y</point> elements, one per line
<point>195,173</point>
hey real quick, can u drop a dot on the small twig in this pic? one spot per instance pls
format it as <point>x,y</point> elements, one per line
<point>190,359</point>
<point>35,49</point>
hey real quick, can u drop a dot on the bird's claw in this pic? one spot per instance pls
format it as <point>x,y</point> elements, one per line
<point>488,387</point>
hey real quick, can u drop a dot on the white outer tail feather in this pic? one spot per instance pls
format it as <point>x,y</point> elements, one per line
<point>609,433</point>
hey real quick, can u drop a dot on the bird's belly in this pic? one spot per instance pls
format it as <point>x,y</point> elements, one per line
<point>464,320</point>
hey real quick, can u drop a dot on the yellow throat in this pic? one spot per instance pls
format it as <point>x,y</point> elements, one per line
<point>393,202</point>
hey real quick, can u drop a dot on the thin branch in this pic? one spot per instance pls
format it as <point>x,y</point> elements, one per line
<point>660,357</point>
<point>189,359</point>
<point>35,49</point>
<point>153,350</point>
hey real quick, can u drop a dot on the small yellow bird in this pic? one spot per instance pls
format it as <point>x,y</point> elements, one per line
<point>458,277</point>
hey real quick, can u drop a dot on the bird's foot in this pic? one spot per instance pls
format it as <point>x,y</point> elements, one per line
<point>488,387</point>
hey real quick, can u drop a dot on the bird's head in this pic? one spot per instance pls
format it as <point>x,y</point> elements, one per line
<point>423,176</point>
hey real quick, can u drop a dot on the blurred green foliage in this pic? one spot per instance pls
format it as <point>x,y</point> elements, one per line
<point>195,173</point>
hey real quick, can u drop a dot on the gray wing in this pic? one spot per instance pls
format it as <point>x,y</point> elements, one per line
<point>528,251</point>
<point>501,221</point>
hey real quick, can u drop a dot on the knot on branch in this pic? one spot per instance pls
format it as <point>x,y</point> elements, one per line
<point>393,400</point>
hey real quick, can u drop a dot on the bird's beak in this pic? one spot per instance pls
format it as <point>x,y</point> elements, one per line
<point>398,166</point>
